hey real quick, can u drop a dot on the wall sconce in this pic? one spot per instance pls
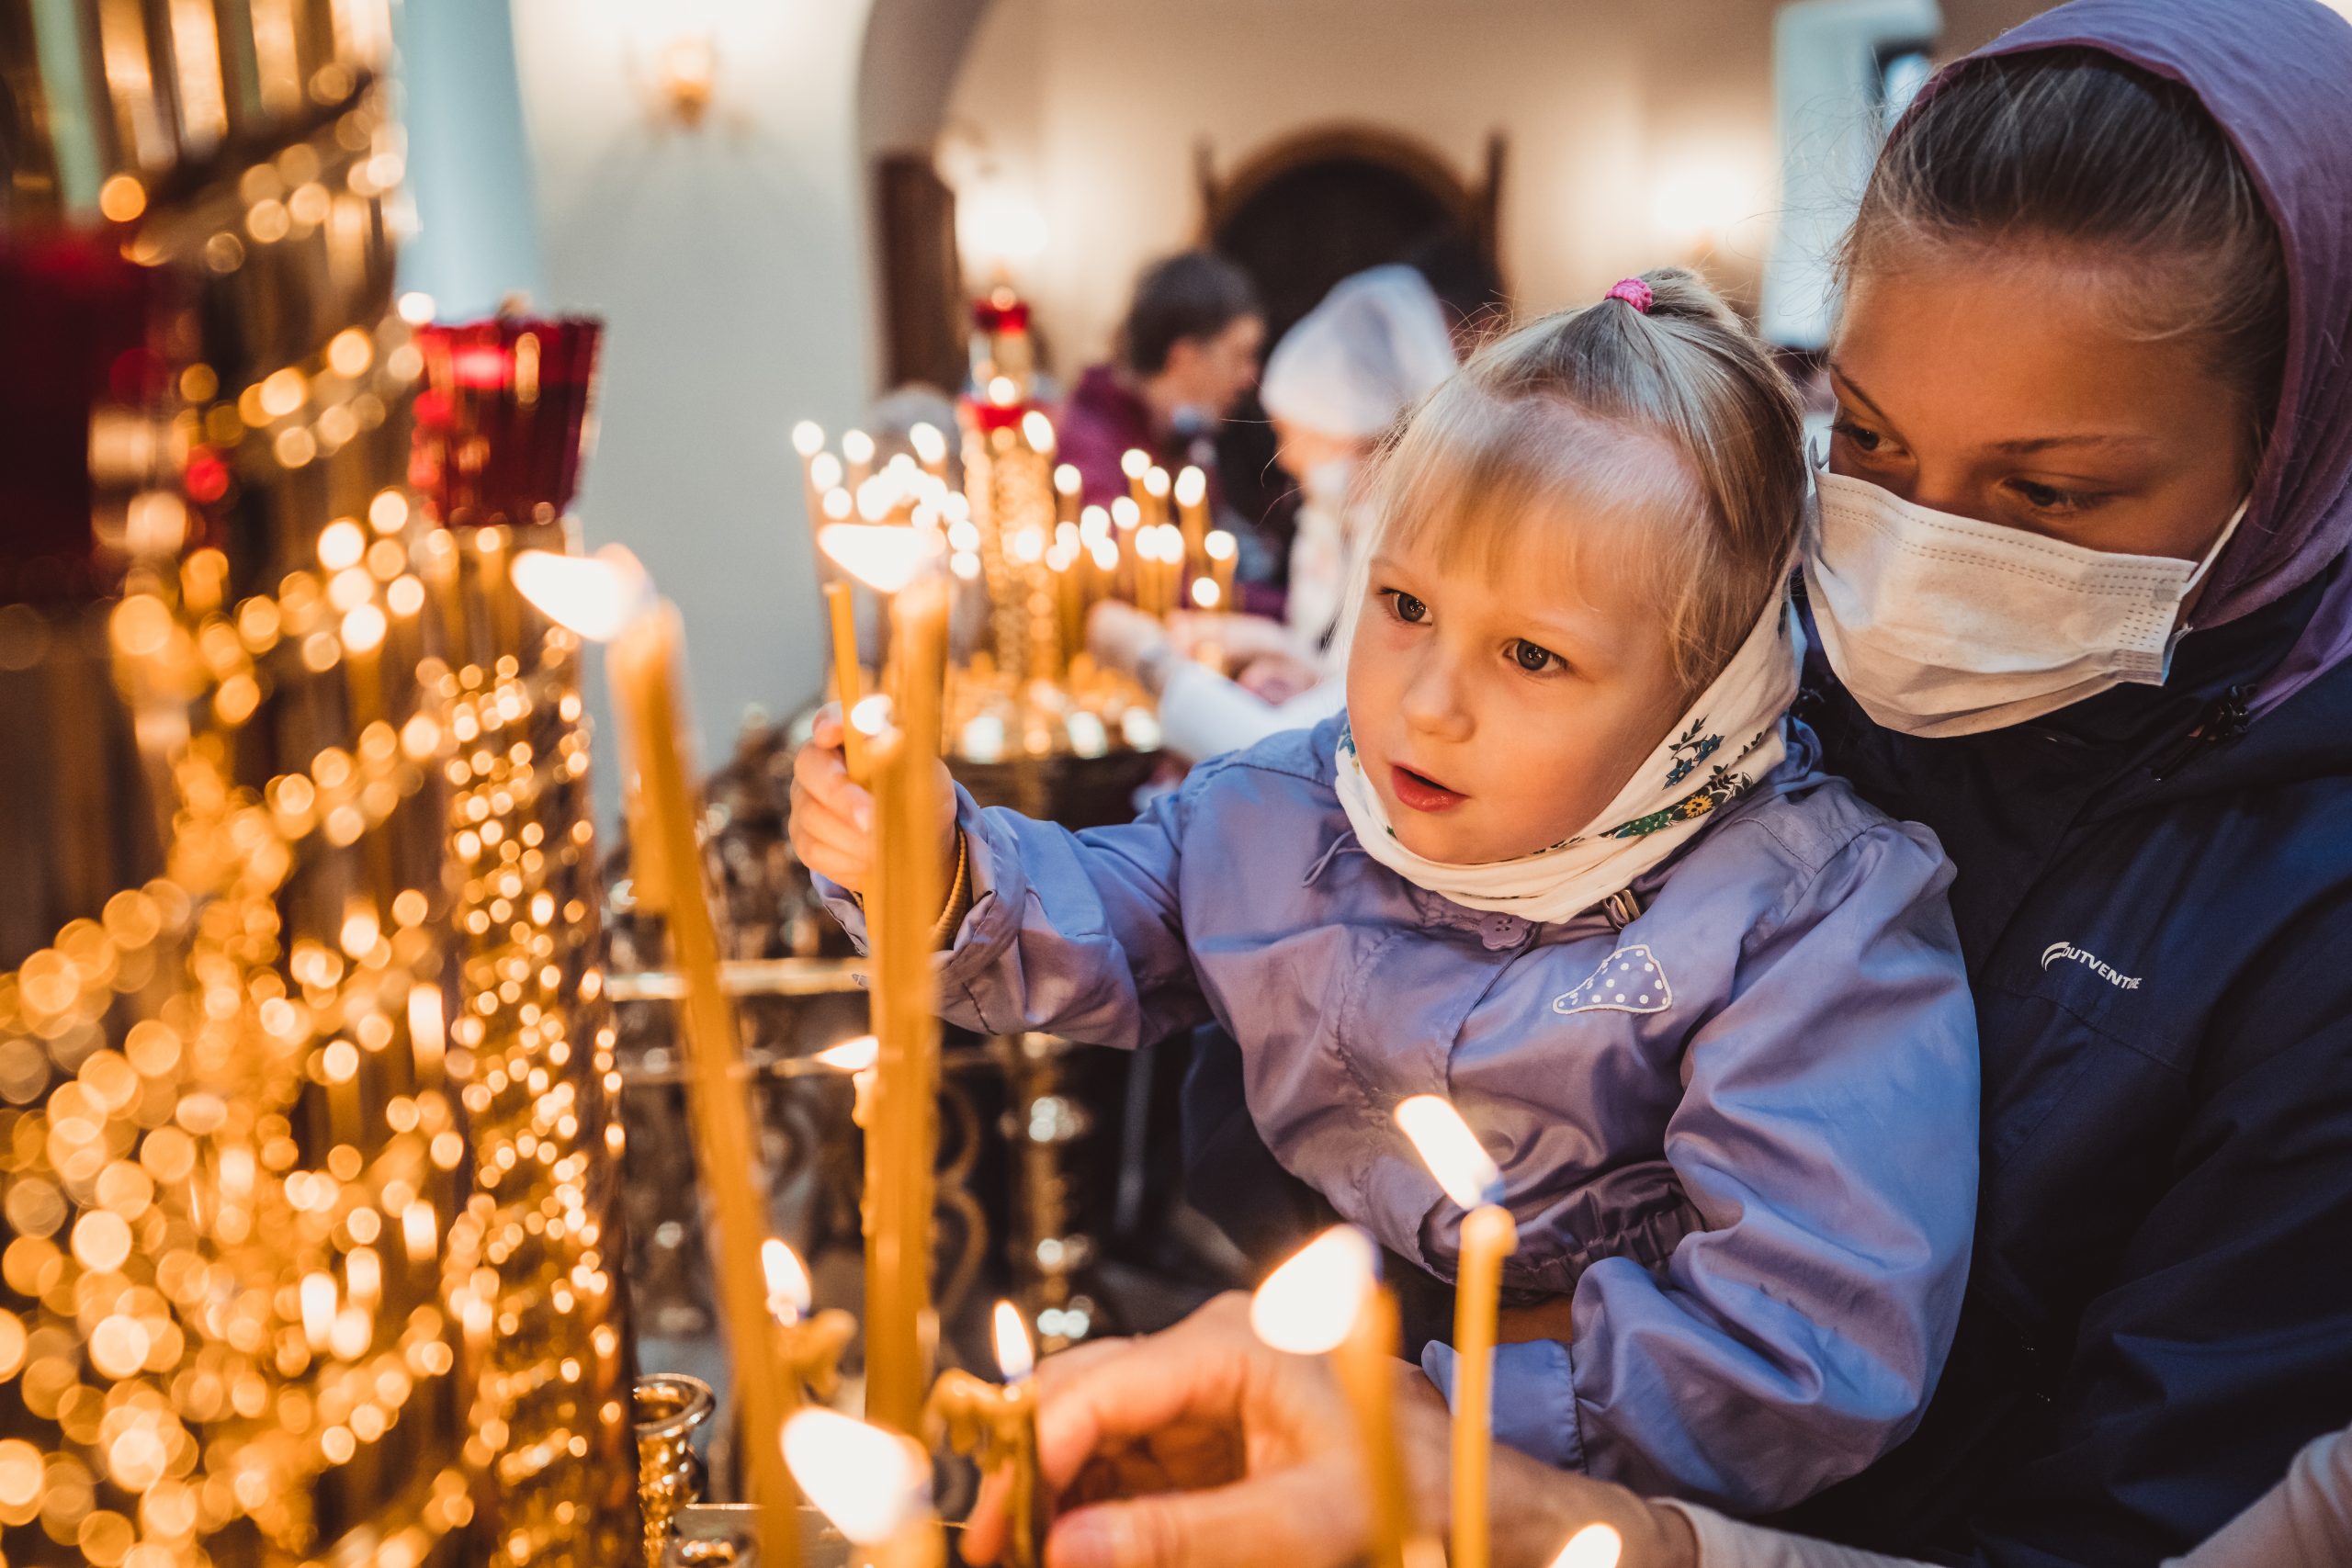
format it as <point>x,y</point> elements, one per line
<point>998,229</point>
<point>686,75</point>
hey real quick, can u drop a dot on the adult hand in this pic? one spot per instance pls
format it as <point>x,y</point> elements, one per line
<point>1241,637</point>
<point>1121,637</point>
<point>832,816</point>
<point>1201,1448</point>
<point>1276,678</point>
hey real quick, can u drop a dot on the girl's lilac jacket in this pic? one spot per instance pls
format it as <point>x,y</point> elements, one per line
<point>1741,1131</point>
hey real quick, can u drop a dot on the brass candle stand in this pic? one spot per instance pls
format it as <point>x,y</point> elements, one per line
<point>264,1304</point>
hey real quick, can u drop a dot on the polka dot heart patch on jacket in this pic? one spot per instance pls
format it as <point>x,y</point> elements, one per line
<point>1629,980</point>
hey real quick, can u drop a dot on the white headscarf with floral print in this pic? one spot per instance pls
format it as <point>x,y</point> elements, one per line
<point>1722,743</point>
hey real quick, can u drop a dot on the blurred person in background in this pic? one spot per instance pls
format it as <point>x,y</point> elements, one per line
<point>1187,349</point>
<point>1378,343</point>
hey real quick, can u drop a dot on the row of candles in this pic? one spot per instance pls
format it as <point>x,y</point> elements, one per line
<point>1049,568</point>
<point>874,1481</point>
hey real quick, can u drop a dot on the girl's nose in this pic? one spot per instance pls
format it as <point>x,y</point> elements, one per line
<point>1434,704</point>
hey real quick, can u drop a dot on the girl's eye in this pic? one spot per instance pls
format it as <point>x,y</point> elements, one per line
<point>1408,609</point>
<point>1533,658</point>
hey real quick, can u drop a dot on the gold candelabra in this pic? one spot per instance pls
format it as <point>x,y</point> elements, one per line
<point>308,1189</point>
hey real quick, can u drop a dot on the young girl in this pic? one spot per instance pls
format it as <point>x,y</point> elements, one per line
<point>1565,861</point>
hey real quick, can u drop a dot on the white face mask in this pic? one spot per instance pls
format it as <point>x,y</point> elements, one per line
<point>1944,625</point>
<point>1323,552</point>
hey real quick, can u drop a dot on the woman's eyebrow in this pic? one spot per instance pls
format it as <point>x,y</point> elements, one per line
<point>2088,438</point>
<point>1846,384</point>
<point>2021,445</point>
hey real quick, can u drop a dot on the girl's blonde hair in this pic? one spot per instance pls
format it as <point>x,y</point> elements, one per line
<point>1672,420</point>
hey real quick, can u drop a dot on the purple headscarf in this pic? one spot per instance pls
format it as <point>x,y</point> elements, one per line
<point>2276,77</point>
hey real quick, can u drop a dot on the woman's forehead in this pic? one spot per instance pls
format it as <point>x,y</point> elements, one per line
<point>2016,352</point>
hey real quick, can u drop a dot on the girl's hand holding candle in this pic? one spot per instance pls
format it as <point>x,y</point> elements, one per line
<point>833,815</point>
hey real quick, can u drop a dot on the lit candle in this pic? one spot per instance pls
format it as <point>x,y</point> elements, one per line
<point>1595,1546</point>
<point>1068,482</point>
<point>609,598</point>
<point>1134,463</point>
<point>1488,1235</point>
<point>1328,1300</point>
<point>1193,508</point>
<point>998,1424</point>
<point>1126,519</point>
<point>1224,554</point>
<point>1016,1358</point>
<point>841,610</point>
<point>1038,431</point>
<point>809,440</point>
<point>903,904</point>
<point>857,1057</point>
<point>1155,495</point>
<point>875,1485</point>
<point>808,1347</point>
<point>931,449</point>
<point>857,451</point>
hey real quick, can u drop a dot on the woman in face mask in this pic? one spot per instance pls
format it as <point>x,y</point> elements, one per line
<point>1375,346</point>
<point>2080,602</point>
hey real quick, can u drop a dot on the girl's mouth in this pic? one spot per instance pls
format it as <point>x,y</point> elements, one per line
<point>1420,792</point>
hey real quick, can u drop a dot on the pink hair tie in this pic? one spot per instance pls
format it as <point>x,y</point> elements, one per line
<point>1634,292</point>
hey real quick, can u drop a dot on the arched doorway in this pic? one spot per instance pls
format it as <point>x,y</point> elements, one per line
<point>1317,205</point>
<point>1309,210</point>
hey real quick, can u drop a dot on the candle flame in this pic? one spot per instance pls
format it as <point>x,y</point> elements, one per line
<point>788,1287</point>
<point>870,1482</point>
<point>808,438</point>
<point>317,1296</point>
<point>883,557</point>
<point>598,596</point>
<point>1038,431</point>
<point>857,446</point>
<point>838,505</point>
<point>1220,545</point>
<point>1067,478</point>
<point>1133,461</point>
<point>363,628</point>
<point>1595,1546</point>
<point>1206,595</point>
<point>851,1056</point>
<point>1155,483</point>
<point>1308,1306</point>
<point>1124,511</point>
<point>872,715</point>
<point>1003,392</point>
<point>1192,486</point>
<point>825,472</point>
<point>1451,1150</point>
<point>929,443</point>
<point>1015,1357</point>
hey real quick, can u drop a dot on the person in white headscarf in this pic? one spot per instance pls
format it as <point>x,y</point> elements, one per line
<point>1376,346</point>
